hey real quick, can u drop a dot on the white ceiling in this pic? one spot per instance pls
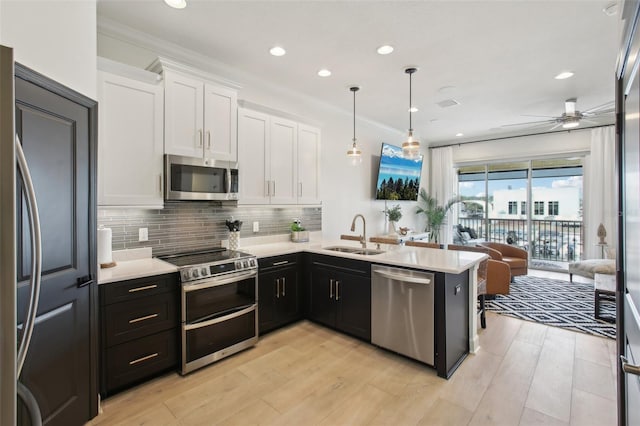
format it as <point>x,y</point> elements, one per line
<point>497,58</point>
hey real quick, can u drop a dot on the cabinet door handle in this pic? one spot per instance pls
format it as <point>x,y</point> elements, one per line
<point>278,288</point>
<point>144,318</point>
<point>144,358</point>
<point>284,262</point>
<point>268,188</point>
<point>208,140</point>
<point>274,187</point>
<point>160,184</point>
<point>284,285</point>
<point>337,290</point>
<point>199,138</point>
<point>300,189</point>
<point>146,287</point>
<point>331,288</point>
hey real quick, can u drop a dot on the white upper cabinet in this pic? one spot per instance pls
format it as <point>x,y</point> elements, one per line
<point>284,170</point>
<point>184,115</point>
<point>220,125</point>
<point>254,159</point>
<point>200,116</point>
<point>278,160</point>
<point>130,146</point>
<point>308,164</point>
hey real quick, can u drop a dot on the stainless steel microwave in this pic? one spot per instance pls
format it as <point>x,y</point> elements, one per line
<point>193,178</point>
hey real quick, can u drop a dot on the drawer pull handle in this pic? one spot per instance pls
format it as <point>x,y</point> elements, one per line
<point>284,262</point>
<point>144,358</point>
<point>142,318</point>
<point>146,287</point>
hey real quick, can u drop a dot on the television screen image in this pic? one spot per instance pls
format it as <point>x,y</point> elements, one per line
<point>398,177</point>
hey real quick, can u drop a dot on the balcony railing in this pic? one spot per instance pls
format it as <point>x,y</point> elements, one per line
<point>556,240</point>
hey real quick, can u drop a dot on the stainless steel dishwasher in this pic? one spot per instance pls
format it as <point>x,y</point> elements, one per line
<point>402,312</point>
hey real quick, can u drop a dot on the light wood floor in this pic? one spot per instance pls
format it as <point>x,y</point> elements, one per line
<point>524,374</point>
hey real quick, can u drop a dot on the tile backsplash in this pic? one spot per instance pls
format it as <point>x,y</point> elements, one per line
<point>189,226</point>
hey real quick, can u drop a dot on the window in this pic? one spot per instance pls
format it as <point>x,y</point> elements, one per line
<point>553,208</point>
<point>538,208</point>
<point>523,207</point>
<point>513,207</point>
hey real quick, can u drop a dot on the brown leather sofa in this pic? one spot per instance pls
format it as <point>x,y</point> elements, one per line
<point>515,257</point>
<point>494,276</point>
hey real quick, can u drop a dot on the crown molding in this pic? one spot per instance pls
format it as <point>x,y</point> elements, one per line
<point>194,60</point>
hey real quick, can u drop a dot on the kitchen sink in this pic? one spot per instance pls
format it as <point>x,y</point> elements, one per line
<point>354,250</point>
<point>343,249</point>
<point>368,252</point>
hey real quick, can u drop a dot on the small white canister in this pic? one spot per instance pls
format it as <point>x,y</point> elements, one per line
<point>105,259</point>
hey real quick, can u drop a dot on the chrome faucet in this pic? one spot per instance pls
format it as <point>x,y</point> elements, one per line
<point>363,237</point>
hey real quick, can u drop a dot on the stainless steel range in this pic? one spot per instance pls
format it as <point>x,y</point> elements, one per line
<point>219,304</point>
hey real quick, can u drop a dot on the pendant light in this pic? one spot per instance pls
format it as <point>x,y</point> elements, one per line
<point>354,152</point>
<point>411,147</point>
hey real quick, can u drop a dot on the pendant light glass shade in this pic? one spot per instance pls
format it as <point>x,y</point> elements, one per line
<point>410,147</point>
<point>354,152</point>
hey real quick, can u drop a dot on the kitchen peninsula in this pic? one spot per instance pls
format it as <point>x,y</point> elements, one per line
<point>455,278</point>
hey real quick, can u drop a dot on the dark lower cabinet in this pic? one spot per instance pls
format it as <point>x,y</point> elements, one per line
<point>279,301</point>
<point>451,322</point>
<point>340,295</point>
<point>139,330</point>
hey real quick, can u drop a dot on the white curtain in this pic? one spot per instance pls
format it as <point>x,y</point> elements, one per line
<point>444,186</point>
<point>600,200</point>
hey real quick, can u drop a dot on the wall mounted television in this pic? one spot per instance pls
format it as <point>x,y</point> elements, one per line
<point>398,177</point>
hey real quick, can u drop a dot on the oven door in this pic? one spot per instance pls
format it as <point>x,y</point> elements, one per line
<point>190,178</point>
<point>219,318</point>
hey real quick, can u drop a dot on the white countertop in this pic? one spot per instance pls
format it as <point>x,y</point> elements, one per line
<point>438,260</point>
<point>138,265</point>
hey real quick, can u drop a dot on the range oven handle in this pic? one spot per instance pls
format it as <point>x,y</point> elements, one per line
<point>245,311</point>
<point>214,282</point>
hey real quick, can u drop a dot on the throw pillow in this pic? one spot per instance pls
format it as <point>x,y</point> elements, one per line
<point>472,233</point>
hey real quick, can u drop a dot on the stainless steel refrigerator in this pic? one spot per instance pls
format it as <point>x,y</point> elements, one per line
<point>48,309</point>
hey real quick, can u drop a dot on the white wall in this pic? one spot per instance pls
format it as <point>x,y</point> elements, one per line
<point>345,190</point>
<point>54,38</point>
<point>576,142</point>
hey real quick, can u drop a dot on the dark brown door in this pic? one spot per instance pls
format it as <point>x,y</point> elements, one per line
<point>57,130</point>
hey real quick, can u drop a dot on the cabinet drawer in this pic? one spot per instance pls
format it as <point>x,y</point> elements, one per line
<point>139,288</point>
<point>130,362</point>
<point>138,318</point>
<point>277,261</point>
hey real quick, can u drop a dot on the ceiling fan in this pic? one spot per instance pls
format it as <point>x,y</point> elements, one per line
<point>570,118</point>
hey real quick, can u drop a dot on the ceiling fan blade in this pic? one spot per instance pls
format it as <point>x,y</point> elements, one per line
<point>541,116</point>
<point>608,106</point>
<point>598,113</point>
<point>531,123</point>
<point>556,126</point>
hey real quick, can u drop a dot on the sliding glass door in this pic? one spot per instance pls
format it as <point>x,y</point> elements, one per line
<point>535,205</point>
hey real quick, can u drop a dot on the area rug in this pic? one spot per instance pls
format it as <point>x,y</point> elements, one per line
<point>556,303</point>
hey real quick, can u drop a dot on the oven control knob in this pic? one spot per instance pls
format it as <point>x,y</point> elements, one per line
<point>194,273</point>
<point>185,275</point>
<point>203,271</point>
<point>252,262</point>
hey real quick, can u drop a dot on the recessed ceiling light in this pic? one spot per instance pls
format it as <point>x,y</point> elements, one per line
<point>459,134</point>
<point>413,109</point>
<point>176,4</point>
<point>563,75</point>
<point>385,50</point>
<point>277,51</point>
<point>324,72</point>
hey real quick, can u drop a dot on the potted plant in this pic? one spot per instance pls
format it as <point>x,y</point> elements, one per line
<point>436,215</point>
<point>394,214</point>
<point>298,233</point>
